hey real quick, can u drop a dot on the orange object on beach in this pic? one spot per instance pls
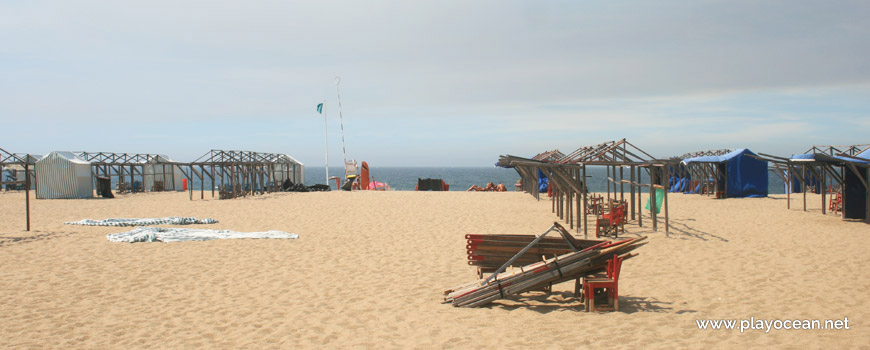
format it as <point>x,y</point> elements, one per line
<point>364,176</point>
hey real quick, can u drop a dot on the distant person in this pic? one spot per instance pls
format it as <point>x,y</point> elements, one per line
<point>474,188</point>
<point>501,187</point>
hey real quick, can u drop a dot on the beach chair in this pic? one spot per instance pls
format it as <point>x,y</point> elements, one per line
<point>611,222</point>
<point>836,203</point>
<point>609,284</point>
<point>595,204</point>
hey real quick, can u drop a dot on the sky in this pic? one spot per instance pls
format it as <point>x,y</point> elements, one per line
<point>432,83</point>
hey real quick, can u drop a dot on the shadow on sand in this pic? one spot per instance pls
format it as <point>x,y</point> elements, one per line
<point>6,241</point>
<point>565,301</point>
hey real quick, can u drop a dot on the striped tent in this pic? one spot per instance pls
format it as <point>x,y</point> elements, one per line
<point>63,175</point>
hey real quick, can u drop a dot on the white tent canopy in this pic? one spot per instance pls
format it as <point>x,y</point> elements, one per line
<point>63,175</point>
<point>163,169</point>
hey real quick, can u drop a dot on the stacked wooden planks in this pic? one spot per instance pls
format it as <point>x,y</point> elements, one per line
<point>489,252</point>
<point>533,276</point>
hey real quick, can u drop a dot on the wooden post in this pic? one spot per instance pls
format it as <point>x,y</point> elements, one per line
<point>632,188</point>
<point>212,180</point>
<point>652,198</point>
<point>843,188</point>
<point>667,222</point>
<point>804,187</point>
<point>608,183</point>
<point>867,197</point>
<point>621,184</point>
<point>26,191</point>
<point>585,190</point>
<point>570,212</point>
<point>788,183</point>
<point>639,200</point>
<point>823,179</point>
<point>201,181</point>
<point>552,194</point>
<point>582,186</point>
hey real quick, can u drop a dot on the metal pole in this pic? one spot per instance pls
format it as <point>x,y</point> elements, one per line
<point>326,139</point>
<point>341,122</point>
<point>27,192</point>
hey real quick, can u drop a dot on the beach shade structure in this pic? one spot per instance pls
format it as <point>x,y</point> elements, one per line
<point>737,174</point>
<point>136,172</point>
<point>681,177</point>
<point>161,173</point>
<point>567,177</point>
<point>14,168</point>
<point>17,171</point>
<point>240,173</point>
<point>63,175</point>
<point>846,173</point>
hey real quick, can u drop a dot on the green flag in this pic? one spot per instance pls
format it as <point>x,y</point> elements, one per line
<point>320,108</point>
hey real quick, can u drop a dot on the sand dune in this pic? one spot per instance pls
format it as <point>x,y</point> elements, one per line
<point>369,268</point>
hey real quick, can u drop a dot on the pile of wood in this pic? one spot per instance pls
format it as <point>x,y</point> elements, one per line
<point>534,276</point>
<point>489,252</point>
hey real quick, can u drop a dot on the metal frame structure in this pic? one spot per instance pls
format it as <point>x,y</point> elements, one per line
<point>823,167</point>
<point>25,160</point>
<point>833,150</point>
<point>243,172</point>
<point>567,176</point>
<point>703,171</point>
<point>124,166</point>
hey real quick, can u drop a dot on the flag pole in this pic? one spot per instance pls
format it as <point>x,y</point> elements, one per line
<point>341,120</point>
<point>326,139</point>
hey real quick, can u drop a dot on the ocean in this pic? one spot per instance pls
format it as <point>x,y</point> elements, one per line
<point>460,179</point>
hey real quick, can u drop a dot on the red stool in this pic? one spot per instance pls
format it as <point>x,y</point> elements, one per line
<point>609,283</point>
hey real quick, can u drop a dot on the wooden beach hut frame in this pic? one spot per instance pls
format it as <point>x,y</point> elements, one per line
<point>822,164</point>
<point>695,176</point>
<point>567,178</point>
<point>734,174</point>
<point>240,173</point>
<point>129,168</point>
<point>26,161</point>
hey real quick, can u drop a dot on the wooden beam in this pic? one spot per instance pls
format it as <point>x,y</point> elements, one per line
<point>667,222</point>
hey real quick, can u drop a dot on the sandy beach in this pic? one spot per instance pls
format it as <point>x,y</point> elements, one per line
<point>369,269</point>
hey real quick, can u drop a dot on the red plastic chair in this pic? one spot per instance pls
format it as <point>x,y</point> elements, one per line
<point>836,203</point>
<point>611,221</point>
<point>610,284</point>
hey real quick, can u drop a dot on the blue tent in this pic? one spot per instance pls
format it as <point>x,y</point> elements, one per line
<point>743,176</point>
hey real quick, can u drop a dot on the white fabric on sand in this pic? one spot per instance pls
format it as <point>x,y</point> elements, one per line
<point>152,234</point>
<point>123,222</point>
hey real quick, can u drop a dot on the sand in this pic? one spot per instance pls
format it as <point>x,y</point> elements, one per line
<point>369,269</point>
